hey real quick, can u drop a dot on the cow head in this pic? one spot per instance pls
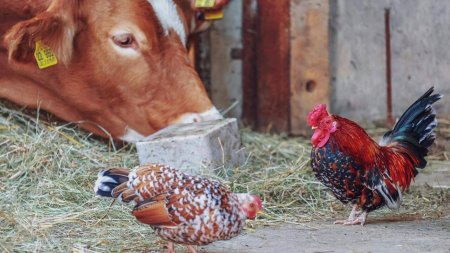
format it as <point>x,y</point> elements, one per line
<point>123,65</point>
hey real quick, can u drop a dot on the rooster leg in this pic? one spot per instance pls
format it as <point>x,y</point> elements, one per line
<point>356,211</point>
<point>170,248</point>
<point>191,249</point>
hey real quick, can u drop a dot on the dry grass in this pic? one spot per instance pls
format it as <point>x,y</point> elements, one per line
<point>47,174</point>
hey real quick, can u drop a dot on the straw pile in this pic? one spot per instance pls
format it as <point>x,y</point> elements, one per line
<point>47,173</point>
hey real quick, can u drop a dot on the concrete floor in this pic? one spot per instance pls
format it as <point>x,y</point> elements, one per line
<point>378,235</point>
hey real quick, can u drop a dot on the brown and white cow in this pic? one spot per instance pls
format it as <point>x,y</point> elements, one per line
<point>122,64</point>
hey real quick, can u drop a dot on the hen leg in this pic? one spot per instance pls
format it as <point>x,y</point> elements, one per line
<point>170,248</point>
<point>356,211</point>
<point>191,249</point>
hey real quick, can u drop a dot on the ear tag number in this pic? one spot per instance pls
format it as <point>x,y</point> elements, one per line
<point>44,56</point>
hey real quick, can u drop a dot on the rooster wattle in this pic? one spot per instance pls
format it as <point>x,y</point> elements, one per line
<point>367,174</point>
<point>183,209</point>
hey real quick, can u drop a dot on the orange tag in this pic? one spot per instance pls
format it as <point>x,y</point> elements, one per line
<point>214,15</point>
<point>204,3</point>
<point>44,56</point>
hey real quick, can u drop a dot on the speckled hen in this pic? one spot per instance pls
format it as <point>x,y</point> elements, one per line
<point>360,171</point>
<point>183,209</point>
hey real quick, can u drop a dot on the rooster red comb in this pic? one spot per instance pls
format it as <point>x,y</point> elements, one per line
<point>319,112</point>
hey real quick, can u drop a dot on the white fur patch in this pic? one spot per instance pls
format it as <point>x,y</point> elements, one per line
<point>131,136</point>
<point>129,52</point>
<point>211,114</point>
<point>168,16</point>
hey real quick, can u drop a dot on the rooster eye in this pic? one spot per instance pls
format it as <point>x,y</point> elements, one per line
<point>252,205</point>
<point>124,40</point>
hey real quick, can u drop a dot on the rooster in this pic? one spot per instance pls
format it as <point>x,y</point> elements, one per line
<point>183,209</point>
<point>360,171</point>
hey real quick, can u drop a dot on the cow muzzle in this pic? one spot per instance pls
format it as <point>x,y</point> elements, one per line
<point>211,114</point>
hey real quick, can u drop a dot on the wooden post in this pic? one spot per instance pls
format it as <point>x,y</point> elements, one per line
<point>249,73</point>
<point>309,72</point>
<point>273,66</point>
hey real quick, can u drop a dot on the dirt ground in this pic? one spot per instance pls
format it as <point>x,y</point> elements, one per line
<point>379,235</point>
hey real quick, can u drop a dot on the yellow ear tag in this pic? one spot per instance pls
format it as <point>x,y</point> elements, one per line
<point>214,15</point>
<point>204,3</point>
<point>44,56</point>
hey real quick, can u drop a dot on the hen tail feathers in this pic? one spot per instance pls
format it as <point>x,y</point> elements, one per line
<point>110,181</point>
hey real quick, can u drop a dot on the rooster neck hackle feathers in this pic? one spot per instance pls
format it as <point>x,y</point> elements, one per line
<point>352,140</point>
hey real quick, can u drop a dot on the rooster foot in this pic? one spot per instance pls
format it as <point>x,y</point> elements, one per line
<point>360,219</point>
<point>341,221</point>
<point>357,216</point>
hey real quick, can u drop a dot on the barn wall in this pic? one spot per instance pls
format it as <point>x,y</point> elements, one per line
<point>226,72</point>
<point>420,35</point>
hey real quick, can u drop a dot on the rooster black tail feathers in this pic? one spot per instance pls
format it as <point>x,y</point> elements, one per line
<point>415,128</point>
<point>107,180</point>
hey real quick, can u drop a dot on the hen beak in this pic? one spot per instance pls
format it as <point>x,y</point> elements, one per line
<point>313,127</point>
<point>261,212</point>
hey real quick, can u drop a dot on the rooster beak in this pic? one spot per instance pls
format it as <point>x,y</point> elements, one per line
<point>313,127</point>
<point>261,212</point>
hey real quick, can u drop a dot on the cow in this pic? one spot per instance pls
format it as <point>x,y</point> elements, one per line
<point>122,68</point>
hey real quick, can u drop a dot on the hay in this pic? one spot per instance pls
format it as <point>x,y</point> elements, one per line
<point>47,173</point>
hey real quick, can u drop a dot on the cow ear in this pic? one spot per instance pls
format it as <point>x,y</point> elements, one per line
<point>55,27</point>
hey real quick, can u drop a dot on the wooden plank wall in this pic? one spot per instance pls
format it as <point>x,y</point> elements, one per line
<point>285,62</point>
<point>309,71</point>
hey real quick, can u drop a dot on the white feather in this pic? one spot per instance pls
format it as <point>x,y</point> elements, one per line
<point>388,199</point>
<point>99,183</point>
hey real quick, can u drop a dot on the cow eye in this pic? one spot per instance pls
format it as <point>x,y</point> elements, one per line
<point>124,40</point>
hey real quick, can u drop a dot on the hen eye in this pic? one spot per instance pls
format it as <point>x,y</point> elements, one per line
<point>124,40</point>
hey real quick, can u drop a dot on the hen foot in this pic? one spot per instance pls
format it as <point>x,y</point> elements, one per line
<point>191,249</point>
<point>170,248</point>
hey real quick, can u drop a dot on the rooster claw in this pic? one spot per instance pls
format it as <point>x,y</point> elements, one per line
<point>350,222</point>
<point>340,222</point>
<point>359,220</point>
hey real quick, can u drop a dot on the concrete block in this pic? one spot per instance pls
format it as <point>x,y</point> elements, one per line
<point>197,148</point>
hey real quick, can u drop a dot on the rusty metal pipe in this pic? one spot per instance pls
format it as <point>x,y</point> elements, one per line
<point>387,29</point>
